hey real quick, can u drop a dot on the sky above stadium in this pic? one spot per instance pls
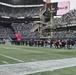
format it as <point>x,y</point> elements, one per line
<point>72,3</point>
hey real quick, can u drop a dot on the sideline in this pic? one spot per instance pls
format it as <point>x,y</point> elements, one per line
<point>34,67</point>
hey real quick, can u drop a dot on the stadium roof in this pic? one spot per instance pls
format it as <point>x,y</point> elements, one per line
<point>22,2</point>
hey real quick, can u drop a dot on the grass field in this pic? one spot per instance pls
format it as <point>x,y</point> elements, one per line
<point>12,54</point>
<point>65,71</point>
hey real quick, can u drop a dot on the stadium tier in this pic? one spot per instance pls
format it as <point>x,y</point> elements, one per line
<point>24,21</point>
<point>23,2</point>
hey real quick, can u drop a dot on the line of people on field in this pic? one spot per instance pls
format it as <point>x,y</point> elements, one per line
<point>69,44</point>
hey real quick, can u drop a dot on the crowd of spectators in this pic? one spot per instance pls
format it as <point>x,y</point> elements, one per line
<point>64,34</point>
<point>69,17</point>
<point>1,32</point>
<point>19,12</point>
<point>24,29</point>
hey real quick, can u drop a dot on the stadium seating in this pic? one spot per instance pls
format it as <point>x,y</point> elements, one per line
<point>24,29</point>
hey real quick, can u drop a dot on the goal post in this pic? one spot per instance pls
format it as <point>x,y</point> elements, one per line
<point>46,24</point>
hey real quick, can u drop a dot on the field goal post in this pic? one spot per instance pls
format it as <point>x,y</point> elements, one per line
<point>50,25</point>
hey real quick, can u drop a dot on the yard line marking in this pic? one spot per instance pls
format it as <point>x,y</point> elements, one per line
<point>5,47</point>
<point>34,67</point>
<point>28,50</point>
<point>17,48</point>
<point>12,58</point>
<point>5,62</point>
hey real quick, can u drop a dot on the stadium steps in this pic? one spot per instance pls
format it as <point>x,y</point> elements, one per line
<point>7,38</point>
<point>8,41</point>
<point>34,28</point>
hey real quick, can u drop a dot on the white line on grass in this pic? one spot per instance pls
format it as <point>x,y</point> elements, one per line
<point>12,58</point>
<point>5,47</point>
<point>17,48</point>
<point>32,51</point>
<point>34,67</point>
<point>5,62</point>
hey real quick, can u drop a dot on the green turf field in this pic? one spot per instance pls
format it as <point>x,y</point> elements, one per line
<point>65,71</point>
<point>12,54</point>
<point>9,53</point>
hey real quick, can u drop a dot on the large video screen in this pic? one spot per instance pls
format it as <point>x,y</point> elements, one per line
<point>58,8</point>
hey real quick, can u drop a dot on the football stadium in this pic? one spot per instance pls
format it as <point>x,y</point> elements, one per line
<point>37,37</point>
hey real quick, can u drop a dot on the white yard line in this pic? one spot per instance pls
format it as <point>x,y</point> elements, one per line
<point>5,47</point>
<point>34,67</point>
<point>17,48</point>
<point>11,58</point>
<point>5,62</point>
